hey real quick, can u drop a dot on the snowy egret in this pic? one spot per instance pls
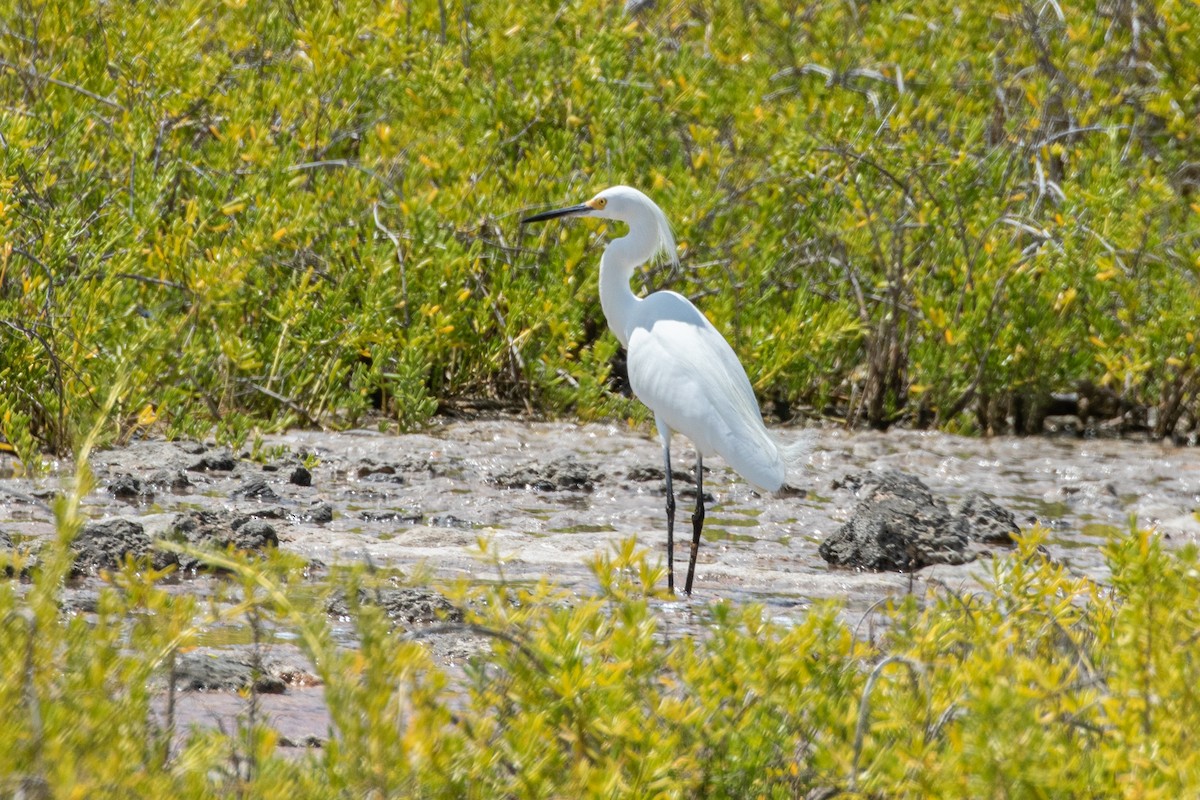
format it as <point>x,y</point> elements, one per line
<point>679,364</point>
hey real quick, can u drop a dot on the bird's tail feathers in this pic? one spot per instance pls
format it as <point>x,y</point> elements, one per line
<point>796,452</point>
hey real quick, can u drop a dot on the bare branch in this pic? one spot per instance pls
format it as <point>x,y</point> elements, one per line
<point>32,73</point>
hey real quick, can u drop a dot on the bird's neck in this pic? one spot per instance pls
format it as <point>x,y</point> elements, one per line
<point>620,259</point>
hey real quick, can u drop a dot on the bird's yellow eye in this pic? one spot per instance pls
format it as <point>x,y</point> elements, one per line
<point>601,202</point>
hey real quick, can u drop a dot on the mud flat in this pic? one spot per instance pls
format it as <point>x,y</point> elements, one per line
<point>550,495</point>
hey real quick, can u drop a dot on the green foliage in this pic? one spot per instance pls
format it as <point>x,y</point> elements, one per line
<point>1042,685</point>
<point>305,212</point>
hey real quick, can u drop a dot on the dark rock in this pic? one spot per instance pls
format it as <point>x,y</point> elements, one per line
<point>213,530</point>
<point>897,525</point>
<point>379,473</point>
<point>689,493</point>
<point>126,487</point>
<point>889,479</point>
<point>788,490</point>
<point>220,461</point>
<point>174,479</point>
<point>422,464</point>
<point>383,477</point>
<point>254,534</point>
<point>199,527</point>
<point>450,521</point>
<point>6,541</point>
<point>409,605</point>
<point>370,468</point>
<point>271,512</point>
<point>984,521</point>
<point>318,511</point>
<point>311,742</point>
<point>562,474</point>
<point>410,516</point>
<point>300,476</point>
<point>224,670</point>
<point>255,488</point>
<point>646,474</point>
<point>105,545</point>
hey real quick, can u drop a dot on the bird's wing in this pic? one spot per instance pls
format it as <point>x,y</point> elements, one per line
<point>687,374</point>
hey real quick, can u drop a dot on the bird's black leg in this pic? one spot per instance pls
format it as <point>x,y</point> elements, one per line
<point>697,523</point>
<point>670,521</point>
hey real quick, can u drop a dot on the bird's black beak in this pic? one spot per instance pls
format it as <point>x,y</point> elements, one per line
<point>582,208</point>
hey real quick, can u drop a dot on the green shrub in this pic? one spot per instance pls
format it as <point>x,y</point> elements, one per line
<point>306,212</point>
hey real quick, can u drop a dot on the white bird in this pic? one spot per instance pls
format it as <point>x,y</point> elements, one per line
<point>679,364</point>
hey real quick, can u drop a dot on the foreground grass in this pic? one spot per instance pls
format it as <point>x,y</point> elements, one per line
<point>1044,685</point>
<point>304,212</point>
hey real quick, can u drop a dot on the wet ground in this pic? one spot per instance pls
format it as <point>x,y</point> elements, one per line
<point>549,495</point>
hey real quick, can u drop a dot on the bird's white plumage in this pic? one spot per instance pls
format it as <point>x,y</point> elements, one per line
<point>679,364</point>
<point>687,374</point>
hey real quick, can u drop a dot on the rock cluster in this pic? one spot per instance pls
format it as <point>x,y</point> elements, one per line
<point>899,524</point>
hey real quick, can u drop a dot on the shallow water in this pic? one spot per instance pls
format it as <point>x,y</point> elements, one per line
<point>426,499</point>
<point>422,501</point>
